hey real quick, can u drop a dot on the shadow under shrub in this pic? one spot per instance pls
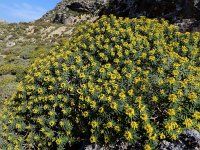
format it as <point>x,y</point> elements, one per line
<point>131,79</point>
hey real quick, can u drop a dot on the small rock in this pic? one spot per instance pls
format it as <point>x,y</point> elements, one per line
<point>69,21</point>
<point>197,4</point>
<point>185,24</point>
<point>69,32</point>
<point>10,44</point>
<point>165,145</point>
<point>58,32</point>
<point>20,39</point>
<point>8,37</point>
<point>93,147</point>
<point>120,145</point>
<point>30,30</point>
<point>188,140</point>
<point>191,138</point>
<point>93,19</point>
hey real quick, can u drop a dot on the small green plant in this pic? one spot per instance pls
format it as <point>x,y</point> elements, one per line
<point>131,79</point>
<point>6,80</point>
<point>10,58</point>
<point>7,86</point>
<point>11,69</point>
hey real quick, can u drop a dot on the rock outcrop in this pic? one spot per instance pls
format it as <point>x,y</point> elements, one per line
<point>185,13</point>
<point>169,9</point>
<point>70,12</point>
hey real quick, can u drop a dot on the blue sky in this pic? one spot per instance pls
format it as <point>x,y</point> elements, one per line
<point>24,10</point>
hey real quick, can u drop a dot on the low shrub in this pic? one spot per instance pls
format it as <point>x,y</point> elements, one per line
<point>10,58</point>
<point>7,88</point>
<point>11,69</point>
<point>6,80</point>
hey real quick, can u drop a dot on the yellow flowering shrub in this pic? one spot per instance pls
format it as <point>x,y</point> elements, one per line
<point>131,79</point>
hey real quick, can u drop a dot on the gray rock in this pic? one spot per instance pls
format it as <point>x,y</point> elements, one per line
<point>20,39</point>
<point>8,37</point>
<point>120,145</point>
<point>10,44</point>
<point>191,138</point>
<point>69,32</point>
<point>73,8</point>
<point>69,20</point>
<point>165,145</point>
<point>188,140</point>
<point>93,147</point>
<point>197,4</point>
<point>185,24</point>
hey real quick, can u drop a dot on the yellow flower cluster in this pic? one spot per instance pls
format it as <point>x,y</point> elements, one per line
<point>128,135</point>
<point>171,126</point>
<point>188,122</point>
